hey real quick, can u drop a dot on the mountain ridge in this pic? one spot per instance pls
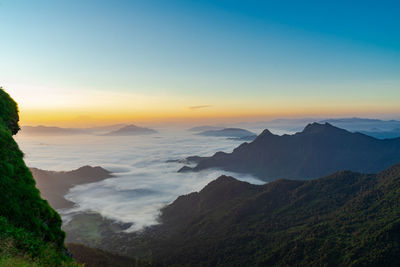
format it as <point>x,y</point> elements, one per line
<point>316,151</point>
<point>343,219</point>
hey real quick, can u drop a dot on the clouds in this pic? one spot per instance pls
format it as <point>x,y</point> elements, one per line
<point>144,181</point>
<point>199,107</point>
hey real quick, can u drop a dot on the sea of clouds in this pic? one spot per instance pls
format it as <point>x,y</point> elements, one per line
<point>144,181</point>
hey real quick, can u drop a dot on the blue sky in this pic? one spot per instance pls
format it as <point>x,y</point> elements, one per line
<point>272,58</point>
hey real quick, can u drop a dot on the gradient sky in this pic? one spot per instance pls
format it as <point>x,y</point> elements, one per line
<point>76,61</point>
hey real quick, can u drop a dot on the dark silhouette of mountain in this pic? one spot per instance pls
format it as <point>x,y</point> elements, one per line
<point>243,138</point>
<point>228,132</point>
<point>365,123</point>
<point>395,133</point>
<point>344,219</point>
<point>92,257</point>
<point>54,185</point>
<point>131,130</point>
<point>351,124</point>
<point>205,128</point>
<point>318,150</point>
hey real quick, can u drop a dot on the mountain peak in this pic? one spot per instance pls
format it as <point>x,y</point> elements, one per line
<point>316,127</point>
<point>265,133</point>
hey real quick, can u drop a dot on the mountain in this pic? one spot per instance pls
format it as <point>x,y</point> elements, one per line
<point>54,186</point>
<point>248,138</point>
<point>344,219</point>
<point>228,132</point>
<point>45,130</point>
<point>383,134</point>
<point>131,130</point>
<point>30,230</point>
<point>105,128</point>
<point>363,124</point>
<point>55,131</point>
<point>318,150</point>
<point>205,128</point>
<point>351,124</point>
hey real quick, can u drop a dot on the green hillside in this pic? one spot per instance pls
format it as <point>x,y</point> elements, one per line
<point>345,219</point>
<point>30,230</point>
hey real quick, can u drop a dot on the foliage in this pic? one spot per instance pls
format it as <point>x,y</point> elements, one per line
<point>346,219</point>
<point>25,218</point>
<point>93,257</point>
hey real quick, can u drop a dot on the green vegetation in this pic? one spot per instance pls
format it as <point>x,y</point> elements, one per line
<point>346,219</point>
<point>93,257</point>
<point>30,230</point>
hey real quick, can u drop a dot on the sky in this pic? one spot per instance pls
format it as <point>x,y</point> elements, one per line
<point>95,62</point>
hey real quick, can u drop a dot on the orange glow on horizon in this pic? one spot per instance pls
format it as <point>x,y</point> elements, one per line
<point>86,118</point>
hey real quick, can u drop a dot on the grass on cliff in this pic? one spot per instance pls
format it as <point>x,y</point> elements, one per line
<point>30,230</point>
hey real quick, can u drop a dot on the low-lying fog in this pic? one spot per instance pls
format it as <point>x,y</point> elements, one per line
<point>144,181</point>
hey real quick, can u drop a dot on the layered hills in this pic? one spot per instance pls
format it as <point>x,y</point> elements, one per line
<point>320,149</point>
<point>344,219</point>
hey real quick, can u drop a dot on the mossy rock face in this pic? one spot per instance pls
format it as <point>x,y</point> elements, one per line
<point>21,205</point>
<point>8,112</point>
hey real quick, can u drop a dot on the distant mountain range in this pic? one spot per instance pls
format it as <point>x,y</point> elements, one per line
<point>320,149</point>
<point>228,132</point>
<point>383,134</point>
<point>131,130</point>
<point>363,124</point>
<point>344,219</point>
<point>205,128</point>
<point>54,185</point>
<point>373,127</point>
<point>47,130</point>
<point>112,130</point>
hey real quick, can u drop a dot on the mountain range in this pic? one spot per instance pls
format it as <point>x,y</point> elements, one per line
<point>228,132</point>
<point>51,130</point>
<point>131,130</point>
<point>394,133</point>
<point>111,130</point>
<point>320,149</point>
<point>344,219</point>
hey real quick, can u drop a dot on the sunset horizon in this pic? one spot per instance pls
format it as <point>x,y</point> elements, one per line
<point>199,133</point>
<point>198,61</point>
